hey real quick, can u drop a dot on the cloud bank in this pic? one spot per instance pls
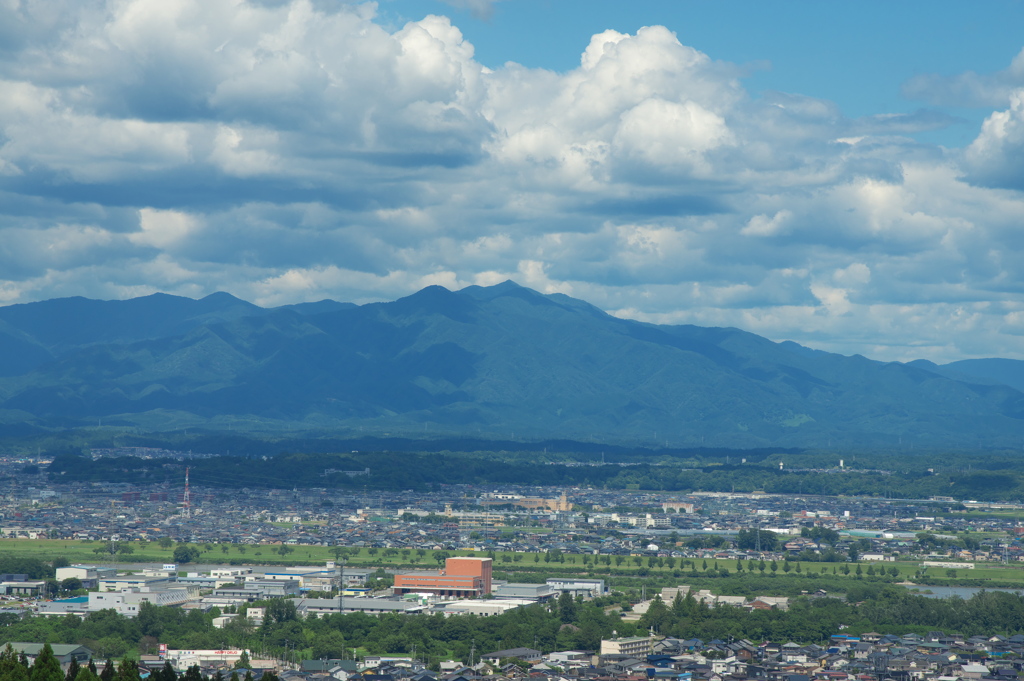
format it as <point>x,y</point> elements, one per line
<point>295,150</point>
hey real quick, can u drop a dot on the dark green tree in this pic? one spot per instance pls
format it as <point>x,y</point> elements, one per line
<point>46,666</point>
<point>820,534</point>
<point>678,605</point>
<point>748,540</point>
<point>329,644</point>
<point>167,672</point>
<point>73,670</point>
<point>70,584</point>
<point>243,661</point>
<point>280,610</point>
<point>183,553</point>
<point>11,667</point>
<point>128,670</point>
<point>566,608</point>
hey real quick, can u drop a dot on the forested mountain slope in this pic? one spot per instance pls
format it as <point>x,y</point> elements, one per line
<point>501,361</point>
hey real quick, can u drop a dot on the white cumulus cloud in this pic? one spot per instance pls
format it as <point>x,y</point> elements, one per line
<point>296,150</point>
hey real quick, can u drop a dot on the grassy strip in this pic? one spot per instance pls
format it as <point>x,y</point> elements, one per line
<point>527,567</point>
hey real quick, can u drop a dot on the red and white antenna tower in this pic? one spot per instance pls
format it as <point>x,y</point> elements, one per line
<point>186,510</point>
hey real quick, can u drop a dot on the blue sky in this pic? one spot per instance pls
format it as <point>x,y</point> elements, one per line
<point>846,175</point>
<point>856,54</point>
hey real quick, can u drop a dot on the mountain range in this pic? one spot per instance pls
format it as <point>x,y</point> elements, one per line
<point>502,362</point>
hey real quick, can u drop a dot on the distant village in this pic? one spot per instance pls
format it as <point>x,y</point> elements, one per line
<point>485,518</point>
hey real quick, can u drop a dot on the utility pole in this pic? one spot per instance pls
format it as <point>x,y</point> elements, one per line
<point>341,588</point>
<point>186,511</point>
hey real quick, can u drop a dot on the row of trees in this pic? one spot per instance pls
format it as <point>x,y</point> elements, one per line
<point>183,552</point>
<point>285,633</point>
<point>46,667</point>
<point>868,607</point>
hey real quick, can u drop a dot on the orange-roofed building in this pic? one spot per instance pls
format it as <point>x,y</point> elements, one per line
<point>462,577</point>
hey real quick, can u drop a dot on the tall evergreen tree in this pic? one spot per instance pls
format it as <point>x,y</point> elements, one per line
<point>46,666</point>
<point>108,672</point>
<point>86,674</point>
<point>678,607</point>
<point>72,671</point>
<point>92,667</point>
<point>11,668</point>
<point>566,607</point>
<point>167,672</point>
<point>128,670</point>
<point>243,661</point>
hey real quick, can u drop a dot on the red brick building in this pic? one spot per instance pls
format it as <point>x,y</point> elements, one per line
<point>461,578</point>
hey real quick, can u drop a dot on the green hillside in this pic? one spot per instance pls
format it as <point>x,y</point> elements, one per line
<point>501,361</point>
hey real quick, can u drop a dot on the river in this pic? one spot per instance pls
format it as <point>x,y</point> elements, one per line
<point>961,591</point>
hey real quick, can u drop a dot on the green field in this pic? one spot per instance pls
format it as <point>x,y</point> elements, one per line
<point>151,552</point>
<point>524,566</point>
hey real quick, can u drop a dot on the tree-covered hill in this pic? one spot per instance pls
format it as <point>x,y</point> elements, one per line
<point>496,362</point>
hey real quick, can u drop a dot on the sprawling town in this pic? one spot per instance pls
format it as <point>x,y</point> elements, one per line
<point>482,552</point>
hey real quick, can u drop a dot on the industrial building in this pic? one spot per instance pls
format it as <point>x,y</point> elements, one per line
<point>128,601</point>
<point>63,652</point>
<point>462,577</point>
<point>88,574</point>
<point>588,588</point>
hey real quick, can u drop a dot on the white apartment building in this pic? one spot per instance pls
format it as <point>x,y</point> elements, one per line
<point>639,646</point>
